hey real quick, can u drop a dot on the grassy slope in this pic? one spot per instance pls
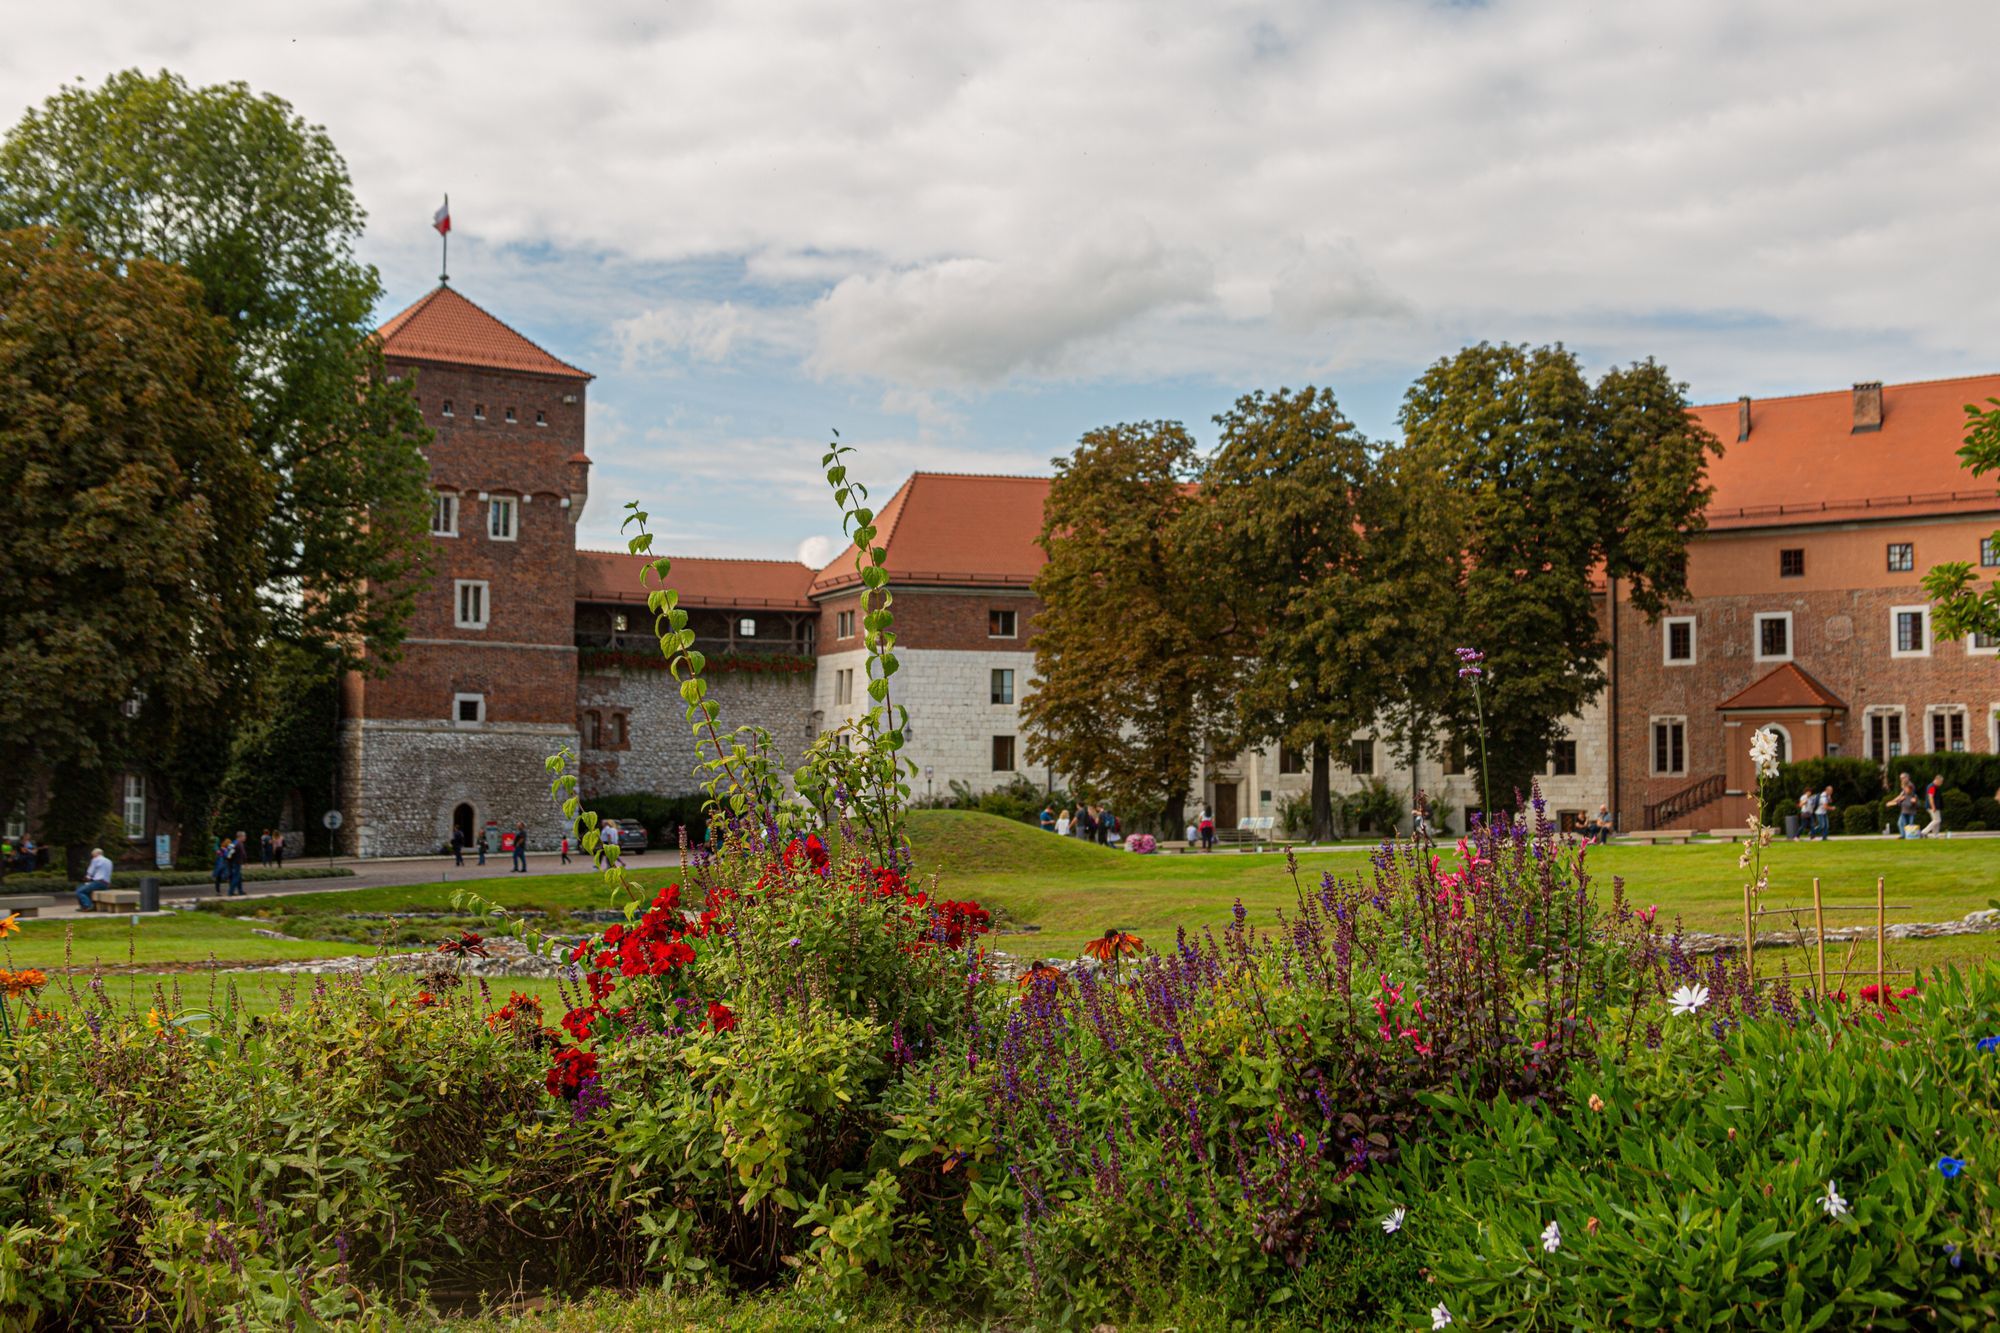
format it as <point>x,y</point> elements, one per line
<point>1072,891</point>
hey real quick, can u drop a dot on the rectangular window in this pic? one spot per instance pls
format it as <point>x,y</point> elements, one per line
<point>1000,624</point>
<point>1291,759</point>
<point>479,411</point>
<point>1983,644</point>
<point>1885,735</point>
<point>1669,746</point>
<point>444,515</point>
<point>843,686</point>
<point>510,415</point>
<point>1678,640</point>
<point>17,824</point>
<point>135,806</point>
<point>468,709</point>
<point>446,410</point>
<point>1003,754</point>
<point>1003,685</point>
<point>1989,552</point>
<point>1909,631</point>
<point>620,738</point>
<point>593,730</point>
<point>844,625</point>
<point>470,612</point>
<point>500,519</point>
<point>1792,563</point>
<point>1774,637</point>
<point>746,627</point>
<point>618,623</point>
<point>541,418</point>
<point>1362,758</point>
<point>1562,763</point>
<point>1902,557</point>
<point>1948,731</point>
<point>1454,756</point>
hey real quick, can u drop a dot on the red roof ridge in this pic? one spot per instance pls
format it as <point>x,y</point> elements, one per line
<point>541,362</point>
<point>733,559</point>
<point>1835,393</point>
<point>1787,685</point>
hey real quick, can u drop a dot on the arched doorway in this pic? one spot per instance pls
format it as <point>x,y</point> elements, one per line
<point>461,819</point>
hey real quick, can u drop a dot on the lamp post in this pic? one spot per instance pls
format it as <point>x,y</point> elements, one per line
<point>927,784</point>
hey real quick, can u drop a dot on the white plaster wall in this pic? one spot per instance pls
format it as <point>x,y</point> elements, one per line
<point>952,717</point>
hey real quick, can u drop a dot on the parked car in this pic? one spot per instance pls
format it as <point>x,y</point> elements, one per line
<point>632,839</point>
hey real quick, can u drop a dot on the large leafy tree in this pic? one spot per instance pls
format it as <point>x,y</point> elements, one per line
<point>1964,608</point>
<point>1282,519</point>
<point>255,205</point>
<point>1551,485</point>
<point>1127,646</point>
<point>133,507</point>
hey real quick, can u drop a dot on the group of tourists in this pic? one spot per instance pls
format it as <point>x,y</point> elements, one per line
<point>1092,823</point>
<point>19,859</point>
<point>233,854</point>
<point>515,844</point>
<point>1910,807</point>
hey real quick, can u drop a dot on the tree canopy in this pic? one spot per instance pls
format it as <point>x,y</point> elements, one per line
<point>1129,654</point>
<point>255,205</point>
<point>1551,485</point>
<point>133,509</point>
<point>1962,607</point>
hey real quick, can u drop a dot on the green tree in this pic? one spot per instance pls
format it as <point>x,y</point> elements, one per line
<point>1126,661</point>
<point>1962,607</point>
<point>1283,520</point>
<point>256,206</point>
<point>133,508</point>
<point>1552,485</point>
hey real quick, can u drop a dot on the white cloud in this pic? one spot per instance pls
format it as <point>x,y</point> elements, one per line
<point>820,550</point>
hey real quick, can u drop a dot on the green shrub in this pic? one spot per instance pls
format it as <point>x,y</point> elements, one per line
<point>1976,775</point>
<point>1987,811</point>
<point>41,881</point>
<point>1861,820</point>
<point>1018,799</point>
<point>1694,1198</point>
<point>1957,807</point>
<point>1855,782</point>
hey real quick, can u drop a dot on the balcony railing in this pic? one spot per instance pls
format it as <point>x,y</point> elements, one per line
<point>631,642</point>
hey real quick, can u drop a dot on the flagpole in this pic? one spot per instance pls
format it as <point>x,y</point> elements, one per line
<point>444,274</point>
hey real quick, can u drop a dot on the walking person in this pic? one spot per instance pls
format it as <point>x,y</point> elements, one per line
<point>1907,803</point>
<point>1207,830</point>
<point>1823,814</point>
<point>1934,802</point>
<point>484,834</point>
<point>520,847</point>
<point>239,856</point>
<point>221,864</point>
<point>457,845</point>
<point>278,848</point>
<point>1807,824</point>
<point>96,879</point>
<point>565,849</point>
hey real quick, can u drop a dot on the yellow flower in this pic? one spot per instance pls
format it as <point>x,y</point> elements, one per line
<point>153,1019</point>
<point>9,924</point>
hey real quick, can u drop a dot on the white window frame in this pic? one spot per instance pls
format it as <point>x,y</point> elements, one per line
<point>1757,637</point>
<point>1973,647</point>
<point>1791,753</point>
<point>541,418</point>
<point>479,411</point>
<point>1667,642</point>
<point>994,682</point>
<point>1989,546</point>
<point>495,507</point>
<point>843,685</point>
<point>446,504</point>
<point>1993,727</point>
<point>17,824</point>
<point>459,588</point>
<point>1921,610</point>
<point>1868,716</point>
<point>843,624</point>
<point>478,701</point>
<point>510,416</point>
<point>1013,622</point>
<point>135,807</point>
<point>446,410</point>
<point>746,627</point>
<point>1947,710</point>
<point>1653,724</point>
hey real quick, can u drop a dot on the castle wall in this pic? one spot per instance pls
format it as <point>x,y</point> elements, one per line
<point>657,753</point>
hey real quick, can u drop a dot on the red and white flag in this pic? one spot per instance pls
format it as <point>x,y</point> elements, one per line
<point>442,219</point>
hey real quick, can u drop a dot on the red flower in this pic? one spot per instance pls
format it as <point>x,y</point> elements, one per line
<point>720,1019</point>
<point>572,1066</point>
<point>466,943</point>
<point>812,849</point>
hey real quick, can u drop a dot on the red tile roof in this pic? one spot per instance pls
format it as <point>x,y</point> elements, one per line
<point>1803,463</point>
<point>954,530</point>
<point>445,328</point>
<point>1789,686</point>
<point>614,576</point>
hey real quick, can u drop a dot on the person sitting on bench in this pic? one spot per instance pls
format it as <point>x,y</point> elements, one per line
<point>95,879</point>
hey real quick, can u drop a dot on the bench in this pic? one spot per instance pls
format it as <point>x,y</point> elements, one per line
<point>1676,836</point>
<point>25,904</point>
<point>1729,834</point>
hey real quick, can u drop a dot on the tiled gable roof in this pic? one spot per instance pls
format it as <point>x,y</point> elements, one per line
<point>1788,686</point>
<point>447,329</point>
<point>615,576</point>
<point>953,530</point>
<point>1804,463</point>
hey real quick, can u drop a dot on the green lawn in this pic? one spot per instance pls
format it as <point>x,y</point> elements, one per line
<point>1070,891</point>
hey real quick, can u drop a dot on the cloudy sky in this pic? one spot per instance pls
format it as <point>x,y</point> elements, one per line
<point>964,233</point>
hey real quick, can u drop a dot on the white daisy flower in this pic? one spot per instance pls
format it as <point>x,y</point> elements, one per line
<point>1832,1203</point>
<point>1394,1221</point>
<point>1440,1317</point>
<point>1688,1000</point>
<point>1552,1238</point>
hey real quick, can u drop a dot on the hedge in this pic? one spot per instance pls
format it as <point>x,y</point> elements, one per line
<point>1854,782</point>
<point>124,878</point>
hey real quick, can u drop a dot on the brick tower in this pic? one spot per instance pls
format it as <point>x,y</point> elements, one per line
<point>457,732</point>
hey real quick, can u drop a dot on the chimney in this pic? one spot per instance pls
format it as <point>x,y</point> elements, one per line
<point>1743,418</point>
<point>1867,407</point>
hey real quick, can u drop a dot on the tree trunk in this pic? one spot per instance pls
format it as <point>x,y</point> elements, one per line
<point>1176,813</point>
<point>1416,753</point>
<point>1322,793</point>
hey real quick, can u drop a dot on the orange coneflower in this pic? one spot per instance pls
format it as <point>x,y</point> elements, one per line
<point>1113,945</point>
<point>9,924</point>
<point>17,984</point>
<point>1045,975</point>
